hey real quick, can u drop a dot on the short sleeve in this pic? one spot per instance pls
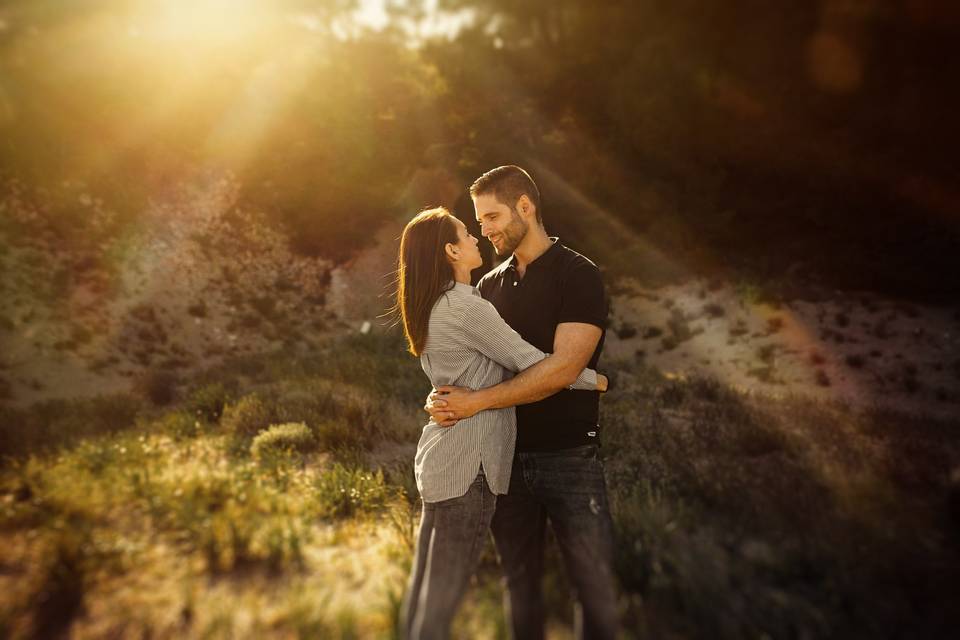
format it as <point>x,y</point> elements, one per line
<point>583,298</point>
<point>484,330</point>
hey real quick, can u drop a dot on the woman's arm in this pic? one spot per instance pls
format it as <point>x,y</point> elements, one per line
<point>483,329</point>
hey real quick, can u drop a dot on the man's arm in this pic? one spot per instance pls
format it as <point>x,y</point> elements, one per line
<point>573,346</point>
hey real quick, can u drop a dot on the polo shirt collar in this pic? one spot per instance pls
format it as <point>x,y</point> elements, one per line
<point>543,259</point>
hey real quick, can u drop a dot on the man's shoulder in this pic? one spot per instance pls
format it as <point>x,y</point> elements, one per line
<point>573,265</point>
<point>493,274</point>
<point>573,261</point>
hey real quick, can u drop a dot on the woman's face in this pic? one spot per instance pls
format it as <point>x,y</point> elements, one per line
<point>468,252</point>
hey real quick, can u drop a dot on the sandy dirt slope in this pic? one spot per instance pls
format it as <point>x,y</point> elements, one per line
<point>852,347</point>
<point>201,279</point>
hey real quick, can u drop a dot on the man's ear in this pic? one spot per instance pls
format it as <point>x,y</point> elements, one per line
<point>525,206</point>
<point>451,251</point>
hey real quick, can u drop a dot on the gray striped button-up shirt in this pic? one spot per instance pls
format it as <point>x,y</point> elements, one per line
<point>470,345</point>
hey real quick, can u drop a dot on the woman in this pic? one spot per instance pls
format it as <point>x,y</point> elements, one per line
<point>461,340</point>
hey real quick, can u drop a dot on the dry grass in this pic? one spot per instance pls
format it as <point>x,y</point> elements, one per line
<point>741,516</point>
<point>736,515</point>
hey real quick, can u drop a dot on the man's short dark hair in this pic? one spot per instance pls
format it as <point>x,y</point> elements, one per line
<point>507,184</point>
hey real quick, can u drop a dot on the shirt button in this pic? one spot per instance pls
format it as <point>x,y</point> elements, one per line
<point>514,283</point>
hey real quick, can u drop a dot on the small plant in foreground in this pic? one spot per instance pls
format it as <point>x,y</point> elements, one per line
<point>180,425</point>
<point>343,492</point>
<point>209,401</point>
<point>283,439</point>
<point>247,417</point>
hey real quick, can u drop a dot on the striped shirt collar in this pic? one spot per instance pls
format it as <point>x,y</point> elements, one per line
<point>465,288</point>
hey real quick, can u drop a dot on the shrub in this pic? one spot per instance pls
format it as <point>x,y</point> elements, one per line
<point>626,331</point>
<point>774,324</point>
<point>766,353</point>
<point>56,423</point>
<point>679,327</point>
<point>671,393</point>
<point>283,438</point>
<point>334,435</point>
<point>856,361</point>
<point>158,386</point>
<point>247,417</point>
<point>208,402</point>
<point>94,457</point>
<point>236,535</point>
<point>60,584</point>
<point>343,492</point>
<point>822,378</point>
<point>198,309</point>
<point>714,310</point>
<point>739,329</point>
<point>400,475</point>
<point>180,424</point>
<point>311,406</point>
<point>264,305</point>
<point>652,332</point>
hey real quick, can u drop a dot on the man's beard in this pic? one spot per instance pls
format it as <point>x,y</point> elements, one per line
<point>512,235</point>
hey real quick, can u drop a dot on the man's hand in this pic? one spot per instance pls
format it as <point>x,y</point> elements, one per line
<point>448,404</point>
<point>603,383</point>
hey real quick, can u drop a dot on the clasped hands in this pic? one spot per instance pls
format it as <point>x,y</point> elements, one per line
<point>447,404</point>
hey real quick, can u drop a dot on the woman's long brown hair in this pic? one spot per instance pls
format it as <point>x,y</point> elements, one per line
<point>423,272</point>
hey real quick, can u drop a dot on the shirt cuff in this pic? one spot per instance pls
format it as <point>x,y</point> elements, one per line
<point>586,377</point>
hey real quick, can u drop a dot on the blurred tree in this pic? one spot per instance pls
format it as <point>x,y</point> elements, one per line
<point>753,133</point>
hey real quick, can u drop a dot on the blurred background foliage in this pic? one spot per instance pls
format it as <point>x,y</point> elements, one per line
<point>813,139</point>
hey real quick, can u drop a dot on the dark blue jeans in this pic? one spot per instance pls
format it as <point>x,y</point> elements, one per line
<point>567,488</point>
<point>451,537</point>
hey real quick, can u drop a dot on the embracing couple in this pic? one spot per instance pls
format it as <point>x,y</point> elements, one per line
<point>513,439</point>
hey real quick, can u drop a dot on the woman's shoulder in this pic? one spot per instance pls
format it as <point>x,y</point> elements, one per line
<point>470,306</point>
<point>454,310</point>
<point>458,301</point>
<point>448,308</point>
<point>446,322</point>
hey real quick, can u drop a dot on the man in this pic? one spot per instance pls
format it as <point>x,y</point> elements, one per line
<point>554,298</point>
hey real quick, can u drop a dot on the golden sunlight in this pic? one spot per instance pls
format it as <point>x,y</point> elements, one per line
<point>210,21</point>
<point>741,216</point>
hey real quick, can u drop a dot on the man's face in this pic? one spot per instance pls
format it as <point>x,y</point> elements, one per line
<point>499,223</point>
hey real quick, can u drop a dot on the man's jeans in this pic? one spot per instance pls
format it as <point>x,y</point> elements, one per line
<point>452,535</point>
<point>566,487</point>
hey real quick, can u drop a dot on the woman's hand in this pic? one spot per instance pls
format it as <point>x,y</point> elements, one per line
<point>448,404</point>
<point>436,407</point>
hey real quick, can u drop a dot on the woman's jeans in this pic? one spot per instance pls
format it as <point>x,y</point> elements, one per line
<point>567,488</point>
<point>452,535</point>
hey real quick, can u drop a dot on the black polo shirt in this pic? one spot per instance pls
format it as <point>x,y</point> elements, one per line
<point>559,286</point>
